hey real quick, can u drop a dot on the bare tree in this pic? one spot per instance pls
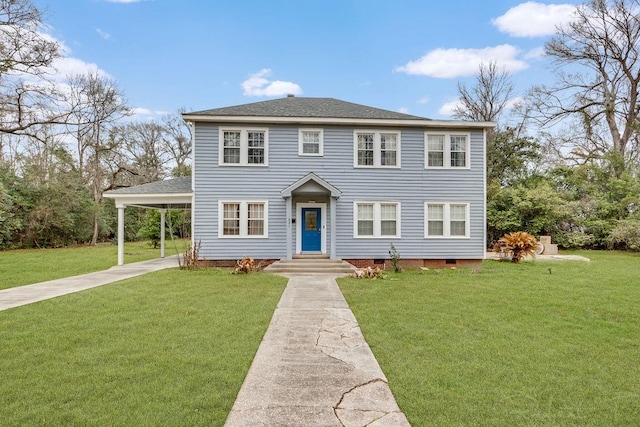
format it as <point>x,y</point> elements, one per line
<point>142,149</point>
<point>98,105</point>
<point>27,98</point>
<point>510,153</point>
<point>488,98</point>
<point>603,45</point>
<point>177,142</point>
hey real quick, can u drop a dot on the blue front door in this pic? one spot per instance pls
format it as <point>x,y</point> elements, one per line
<point>311,229</point>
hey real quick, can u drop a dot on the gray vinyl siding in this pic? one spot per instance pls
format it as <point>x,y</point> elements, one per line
<point>411,185</point>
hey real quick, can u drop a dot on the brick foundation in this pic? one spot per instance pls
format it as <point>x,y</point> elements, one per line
<point>208,263</point>
<point>474,264</point>
<point>385,264</point>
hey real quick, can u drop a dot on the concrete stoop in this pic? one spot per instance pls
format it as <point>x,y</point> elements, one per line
<point>311,264</point>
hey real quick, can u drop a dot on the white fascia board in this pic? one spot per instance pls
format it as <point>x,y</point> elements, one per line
<point>341,121</point>
<point>122,200</point>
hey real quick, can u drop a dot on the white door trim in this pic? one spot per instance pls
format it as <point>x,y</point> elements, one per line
<point>323,214</point>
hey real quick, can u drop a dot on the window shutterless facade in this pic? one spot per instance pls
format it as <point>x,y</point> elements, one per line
<point>376,149</point>
<point>242,219</point>
<point>446,220</point>
<point>243,147</point>
<point>446,150</point>
<point>310,142</point>
<point>376,219</point>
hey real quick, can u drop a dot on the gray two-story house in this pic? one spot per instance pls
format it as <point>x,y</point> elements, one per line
<point>298,175</point>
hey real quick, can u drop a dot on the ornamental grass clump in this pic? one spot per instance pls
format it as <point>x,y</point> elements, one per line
<point>520,244</point>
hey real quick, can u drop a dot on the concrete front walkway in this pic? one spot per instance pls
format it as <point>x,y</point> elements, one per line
<point>21,295</point>
<point>313,367</point>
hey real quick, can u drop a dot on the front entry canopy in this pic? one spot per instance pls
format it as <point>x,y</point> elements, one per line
<point>311,183</point>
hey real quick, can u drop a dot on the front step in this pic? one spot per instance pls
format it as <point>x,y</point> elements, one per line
<point>310,265</point>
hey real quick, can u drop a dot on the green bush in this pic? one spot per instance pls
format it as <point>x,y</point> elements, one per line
<point>626,235</point>
<point>574,239</point>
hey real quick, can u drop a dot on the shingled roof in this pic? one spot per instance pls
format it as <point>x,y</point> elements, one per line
<point>292,106</point>
<point>169,186</point>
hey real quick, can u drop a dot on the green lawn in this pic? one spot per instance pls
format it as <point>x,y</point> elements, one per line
<point>23,267</point>
<point>544,343</point>
<point>167,348</point>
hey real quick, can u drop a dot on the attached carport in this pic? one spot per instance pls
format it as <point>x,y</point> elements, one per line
<point>173,193</point>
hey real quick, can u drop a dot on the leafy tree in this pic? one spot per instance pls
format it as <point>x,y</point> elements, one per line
<point>535,208</point>
<point>177,224</point>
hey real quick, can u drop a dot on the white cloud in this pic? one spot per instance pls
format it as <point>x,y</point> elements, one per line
<point>143,114</point>
<point>451,63</point>
<point>535,53</point>
<point>514,102</point>
<point>423,100</point>
<point>103,34</point>
<point>532,19</point>
<point>68,66</point>
<point>258,84</point>
<point>448,108</point>
<point>403,110</point>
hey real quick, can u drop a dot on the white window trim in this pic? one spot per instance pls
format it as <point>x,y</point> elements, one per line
<point>377,152</point>
<point>301,142</point>
<point>447,150</point>
<point>244,146</point>
<point>244,219</point>
<point>377,219</point>
<point>447,220</point>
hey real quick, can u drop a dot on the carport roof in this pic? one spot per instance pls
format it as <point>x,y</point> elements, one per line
<point>173,193</point>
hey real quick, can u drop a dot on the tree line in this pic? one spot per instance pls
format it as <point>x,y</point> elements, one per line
<point>565,161</point>
<point>65,140</point>
<point>562,161</point>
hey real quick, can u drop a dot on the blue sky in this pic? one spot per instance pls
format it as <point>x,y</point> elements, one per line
<point>403,55</point>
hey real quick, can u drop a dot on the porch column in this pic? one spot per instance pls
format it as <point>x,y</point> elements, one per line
<point>121,235</point>
<point>332,251</point>
<point>162,225</point>
<point>288,201</point>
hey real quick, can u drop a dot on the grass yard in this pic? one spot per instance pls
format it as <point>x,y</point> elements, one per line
<point>26,266</point>
<point>544,343</point>
<point>167,348</point>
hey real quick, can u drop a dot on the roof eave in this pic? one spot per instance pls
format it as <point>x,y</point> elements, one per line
<point>338,120</point>
<point>141,199</point>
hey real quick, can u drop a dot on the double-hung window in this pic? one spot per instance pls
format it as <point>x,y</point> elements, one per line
<point>242,218</point>
<point>376,219</point>
<point>446,220</point>
<point>446,150</point>
<point>244,147</point>
<point>376,149</point>
<point>310,142</point>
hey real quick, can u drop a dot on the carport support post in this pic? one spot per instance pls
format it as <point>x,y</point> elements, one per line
<point>121,235</point>
<point>162,224</point>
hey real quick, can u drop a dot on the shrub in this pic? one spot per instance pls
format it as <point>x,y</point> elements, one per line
<point>625,235</point>
<point>395,259</point>
<point>245,265</point>
<point>520,244</point>
<point>190,258</point>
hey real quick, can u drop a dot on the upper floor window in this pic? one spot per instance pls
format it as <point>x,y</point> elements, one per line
<point>446,150</point>
<point>243,147</point>
<point>376,149</point>
<point>242,219</point>
<point>376,219</point>
<point>446,219</point>
<point>310,142</point>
